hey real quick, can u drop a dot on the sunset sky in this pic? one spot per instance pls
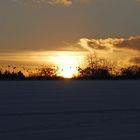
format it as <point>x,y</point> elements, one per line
<point>40,31</point>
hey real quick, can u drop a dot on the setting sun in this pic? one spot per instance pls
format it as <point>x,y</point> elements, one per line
<point>66,62</point>
<point>66,66</point>
<point>67,71</point>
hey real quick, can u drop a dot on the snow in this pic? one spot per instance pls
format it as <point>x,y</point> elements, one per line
<point>70,110</point>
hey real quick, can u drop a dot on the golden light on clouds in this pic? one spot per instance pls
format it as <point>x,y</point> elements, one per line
<point>116,49</point>
<point>121,51</point>
<point>65,2</point>
<point>40,2</point>
<point>51,2</point>
<point>126,50</point>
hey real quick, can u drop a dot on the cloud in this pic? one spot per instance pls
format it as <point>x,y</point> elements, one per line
<point>135,60</point>
<point>30,2</point>
<point>39,2</point>
<point>99,44</point>
<point>64,2</point>
<point>131,43</point>
<point>51,2</point>
<point>124,50</point>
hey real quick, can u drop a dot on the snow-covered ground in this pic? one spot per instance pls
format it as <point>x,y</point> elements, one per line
<point>70,110</point>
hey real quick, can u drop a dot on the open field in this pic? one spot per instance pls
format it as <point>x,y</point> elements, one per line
<point>70,110</point>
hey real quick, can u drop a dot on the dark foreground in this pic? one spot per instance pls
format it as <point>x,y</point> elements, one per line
<point>70,110</point>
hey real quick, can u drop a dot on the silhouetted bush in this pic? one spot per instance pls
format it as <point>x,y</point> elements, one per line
<point>44,72</point>
<point>95,73</point>
<point>6,75</point>
<point>132,72</point>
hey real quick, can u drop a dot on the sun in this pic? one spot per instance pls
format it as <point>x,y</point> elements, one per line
<point>67,62</point>
<point>67,71</point>
<point>67,66</point>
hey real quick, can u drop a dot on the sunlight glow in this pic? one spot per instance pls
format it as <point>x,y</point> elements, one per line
<point>67,62</point>
<point>67,72</point>
<point>67,66</point>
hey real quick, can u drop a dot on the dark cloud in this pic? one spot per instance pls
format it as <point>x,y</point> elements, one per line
<point>132,43</point>
<point>135,60</point>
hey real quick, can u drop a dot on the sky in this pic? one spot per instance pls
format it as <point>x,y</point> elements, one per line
<point>107,26</point>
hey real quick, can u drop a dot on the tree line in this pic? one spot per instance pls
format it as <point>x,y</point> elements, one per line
<point>97,68</point>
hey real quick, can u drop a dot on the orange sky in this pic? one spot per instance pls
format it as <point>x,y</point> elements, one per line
<point>36,32</point>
